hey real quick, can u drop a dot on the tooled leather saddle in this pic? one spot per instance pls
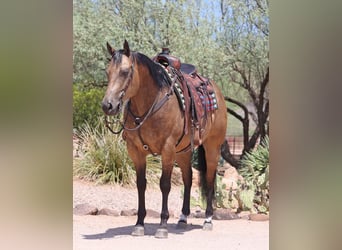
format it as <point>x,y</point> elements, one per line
<point>195,93</point>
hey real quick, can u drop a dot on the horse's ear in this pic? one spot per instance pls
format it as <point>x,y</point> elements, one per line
<point>126,48</point>
<point>111,51</point>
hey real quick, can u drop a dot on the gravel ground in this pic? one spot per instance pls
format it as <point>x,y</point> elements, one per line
<point>107,232</point>
<point>119,198</point>
<point>114,232</point>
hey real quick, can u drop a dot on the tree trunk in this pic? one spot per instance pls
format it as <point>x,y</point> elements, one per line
<point>260,131</point>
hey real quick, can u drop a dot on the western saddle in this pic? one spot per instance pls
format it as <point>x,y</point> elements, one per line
<point>195,93</point>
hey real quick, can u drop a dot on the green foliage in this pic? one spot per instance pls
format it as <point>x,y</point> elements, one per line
<point>197,199</point>
<point>188,28</point>
<point>254,192</point>
<point>227,40</point>
<point>104,158</point>
<point>86,106</point>
<point>245,43</point>
<point>222,199</point>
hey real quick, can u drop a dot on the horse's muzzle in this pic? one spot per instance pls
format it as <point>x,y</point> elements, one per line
<point>110,109</point>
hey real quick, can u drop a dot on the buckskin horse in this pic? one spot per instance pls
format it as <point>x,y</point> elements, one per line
<point>163,117</point>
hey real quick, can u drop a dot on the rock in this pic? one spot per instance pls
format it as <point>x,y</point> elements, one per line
<point>231,178</point>
<point>107,211</point>
<point>198,214</point>
<point>129,212</point>
<point>244,215</point>
<point>85,209</point>
<point>152,213</point>
<point>223,168</point>
<point>176,177</point>
<point>259,217</point>
<point>195,177</point>
<point>224,214</point>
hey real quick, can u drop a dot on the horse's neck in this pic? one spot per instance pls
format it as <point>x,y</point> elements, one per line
<point>145,97</point>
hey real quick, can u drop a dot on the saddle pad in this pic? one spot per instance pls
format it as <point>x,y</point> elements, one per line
<point>209,101</point>
<point>203,94</point>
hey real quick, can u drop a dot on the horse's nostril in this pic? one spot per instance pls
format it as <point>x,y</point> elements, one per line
<point>107,106</point>
<point>110,106</point>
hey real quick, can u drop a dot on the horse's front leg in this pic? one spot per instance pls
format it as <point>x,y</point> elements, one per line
<point>141,185</point>
<point>165,187</point>
<point>140,168</point>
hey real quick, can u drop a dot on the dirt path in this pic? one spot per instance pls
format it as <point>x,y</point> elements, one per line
<point>107,232</point>
<point>110,232</point>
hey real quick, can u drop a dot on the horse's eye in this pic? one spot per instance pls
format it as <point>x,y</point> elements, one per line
<point>124,72</point>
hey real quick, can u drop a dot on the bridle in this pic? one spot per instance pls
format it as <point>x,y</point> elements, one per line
<point>127,83</point>
<point>139,121</point>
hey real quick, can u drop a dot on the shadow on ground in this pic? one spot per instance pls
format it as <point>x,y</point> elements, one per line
<point>150,230</point>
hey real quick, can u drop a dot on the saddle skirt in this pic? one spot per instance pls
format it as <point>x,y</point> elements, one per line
<point>195,93</point>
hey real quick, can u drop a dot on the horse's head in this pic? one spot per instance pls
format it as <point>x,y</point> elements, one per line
<point>120,79</point>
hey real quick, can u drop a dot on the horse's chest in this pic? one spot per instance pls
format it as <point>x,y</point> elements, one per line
<point>151,140</point>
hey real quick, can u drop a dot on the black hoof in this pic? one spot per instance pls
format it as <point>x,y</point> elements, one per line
<point>138,231</point>
<point>207,226</point>
<point>161,233</point>
<point>181,224</point>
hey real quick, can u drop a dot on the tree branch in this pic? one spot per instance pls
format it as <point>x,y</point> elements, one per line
<point>244,120</point>
<point>262,117</point>
<point>227,156</point>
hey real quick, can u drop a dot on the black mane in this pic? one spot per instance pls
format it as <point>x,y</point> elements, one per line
<point>159,75</point>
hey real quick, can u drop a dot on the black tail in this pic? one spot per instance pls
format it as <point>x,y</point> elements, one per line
<point>202,167</point>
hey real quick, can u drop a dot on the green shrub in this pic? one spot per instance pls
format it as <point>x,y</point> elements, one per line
<point>104,158</point>
<point>222,198</point>
<point>86,105</point>
<point>254,192</point>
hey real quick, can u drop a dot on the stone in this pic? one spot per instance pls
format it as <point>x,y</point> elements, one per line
<point>152,213</point>
<point>198,214</point>
<point>176,177</point>
<point>224,214</point>
<point>107,211</point>
<point>231,178</point>
<point>222,169</point>
<point>259,217</point>
<point>85,209</point>
<point>244,215</point>
<point>129,212</point>
<point>195,178</point>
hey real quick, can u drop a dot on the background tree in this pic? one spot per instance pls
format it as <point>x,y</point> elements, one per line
<point>244,42</point>
<point>227,40</point>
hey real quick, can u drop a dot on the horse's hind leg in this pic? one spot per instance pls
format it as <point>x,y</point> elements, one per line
<point>212,154</point>
<point>184,162</point>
